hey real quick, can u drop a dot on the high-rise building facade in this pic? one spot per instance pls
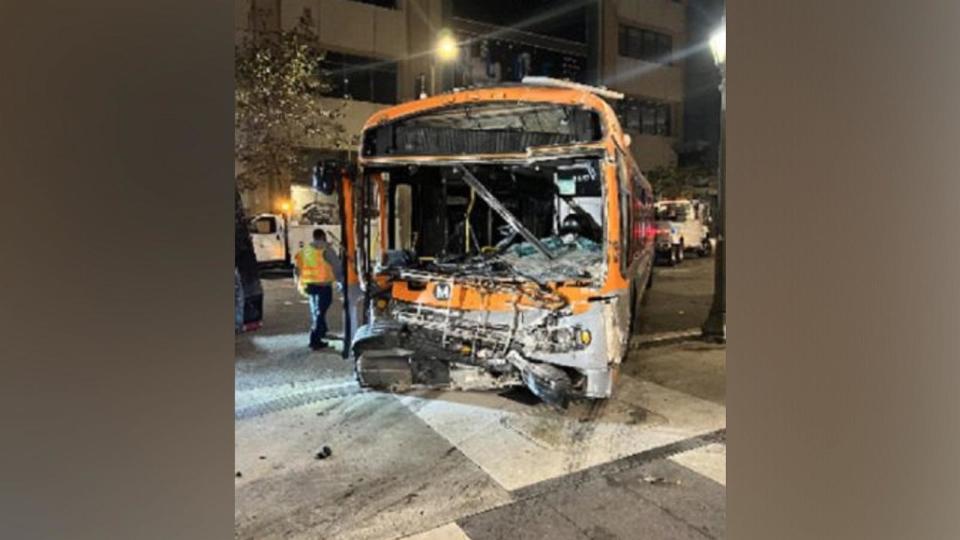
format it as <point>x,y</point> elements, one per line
<point>381,52</point>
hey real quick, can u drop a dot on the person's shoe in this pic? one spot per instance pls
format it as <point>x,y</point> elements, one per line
<point>320,346</point>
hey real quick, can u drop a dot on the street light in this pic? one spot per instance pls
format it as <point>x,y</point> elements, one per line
<point>446,50</point>
<point>715,327</point>
<point>718,45</point>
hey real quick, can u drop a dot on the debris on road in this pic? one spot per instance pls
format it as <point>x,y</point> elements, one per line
<point>659,480</point>
<point>239,474</point>
<point>324,453</point>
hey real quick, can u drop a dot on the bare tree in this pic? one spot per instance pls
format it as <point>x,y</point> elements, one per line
<point>278,112</point>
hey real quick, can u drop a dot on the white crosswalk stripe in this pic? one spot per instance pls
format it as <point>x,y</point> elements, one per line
<point>450,531</point>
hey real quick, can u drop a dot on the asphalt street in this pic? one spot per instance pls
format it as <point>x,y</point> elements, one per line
<point>648,463</point>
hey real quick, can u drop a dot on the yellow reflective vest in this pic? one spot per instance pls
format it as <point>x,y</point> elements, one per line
<point>312,267</point>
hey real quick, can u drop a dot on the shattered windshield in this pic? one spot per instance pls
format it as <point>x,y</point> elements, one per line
<point>577,257</point>
<point>540,222</point>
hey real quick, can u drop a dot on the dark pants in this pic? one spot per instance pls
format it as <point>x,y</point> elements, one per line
<point>320,298</point>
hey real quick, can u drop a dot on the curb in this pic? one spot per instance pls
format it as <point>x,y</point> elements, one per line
<point>646,341</point>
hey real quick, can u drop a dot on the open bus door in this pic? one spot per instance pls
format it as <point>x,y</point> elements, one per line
<point>335,176</point>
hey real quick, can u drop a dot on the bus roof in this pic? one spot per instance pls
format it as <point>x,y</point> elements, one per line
<point>535,91</point>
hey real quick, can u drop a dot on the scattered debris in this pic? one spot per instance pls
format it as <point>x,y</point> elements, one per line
<point>324,453</point>
<point>659,480</point>
<point>239,474</point>
<point>637,416</point>
<point>263,457</point>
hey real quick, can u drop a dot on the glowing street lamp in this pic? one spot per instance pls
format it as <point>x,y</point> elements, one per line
<point>718,45</point>
<point>445,51</point>
<point>715,327</point>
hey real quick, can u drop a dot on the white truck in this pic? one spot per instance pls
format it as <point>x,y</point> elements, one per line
<point>278,237</point>
<point>682,225</point>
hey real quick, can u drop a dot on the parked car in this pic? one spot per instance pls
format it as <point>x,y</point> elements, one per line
<point>681,227</point>
<point>248,292</point>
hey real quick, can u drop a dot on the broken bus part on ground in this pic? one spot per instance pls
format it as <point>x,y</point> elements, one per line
<point>503,236</point>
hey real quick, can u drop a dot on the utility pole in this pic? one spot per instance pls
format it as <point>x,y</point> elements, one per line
<point>715,327</point>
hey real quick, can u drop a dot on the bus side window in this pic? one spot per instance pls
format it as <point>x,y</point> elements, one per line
<point>626,213</point>
<point>641,215</point>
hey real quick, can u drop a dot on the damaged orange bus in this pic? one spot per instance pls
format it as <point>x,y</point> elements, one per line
<point>504,236</point>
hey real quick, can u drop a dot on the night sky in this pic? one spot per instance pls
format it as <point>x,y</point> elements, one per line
<point>701,122</point>
<point>568,23</point>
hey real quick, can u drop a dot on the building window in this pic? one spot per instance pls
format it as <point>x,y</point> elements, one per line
<point>662,124</point>
<point>633,118</point>
<point>645,45</point>
<point>360,78</point>
<point>645,117</point>
<point>390,4</point>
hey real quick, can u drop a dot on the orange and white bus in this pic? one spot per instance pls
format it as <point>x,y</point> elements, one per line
<point>504,237</point>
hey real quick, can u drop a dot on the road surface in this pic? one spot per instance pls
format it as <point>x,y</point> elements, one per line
<point>648,463</point>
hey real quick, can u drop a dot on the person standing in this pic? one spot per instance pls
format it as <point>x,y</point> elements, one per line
<point>238,298</point>
<point>317,268</point>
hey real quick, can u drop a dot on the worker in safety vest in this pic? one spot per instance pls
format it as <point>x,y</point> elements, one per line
<point>317,268</point>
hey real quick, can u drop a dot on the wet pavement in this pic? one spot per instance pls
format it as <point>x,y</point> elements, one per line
<point>648,463</point>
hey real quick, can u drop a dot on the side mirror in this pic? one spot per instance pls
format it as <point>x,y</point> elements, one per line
<point>326,175</point>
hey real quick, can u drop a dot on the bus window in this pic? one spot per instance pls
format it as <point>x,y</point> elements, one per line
<point>403,217</point>
<point>626,213</point>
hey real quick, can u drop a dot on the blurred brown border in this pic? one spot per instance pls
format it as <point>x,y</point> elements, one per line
<point>843,193</point>
<point>116,143</point>
<point>116,155</point>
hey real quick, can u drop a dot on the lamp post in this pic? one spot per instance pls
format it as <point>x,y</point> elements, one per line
<point>715,327</point>
<point>446,50</point>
